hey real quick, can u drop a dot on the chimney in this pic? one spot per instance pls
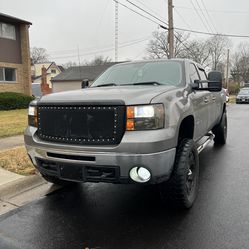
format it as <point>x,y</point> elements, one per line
<point>44,85</point>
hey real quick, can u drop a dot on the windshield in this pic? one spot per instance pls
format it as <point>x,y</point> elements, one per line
<point>244,92</point>
<point>154,73</point>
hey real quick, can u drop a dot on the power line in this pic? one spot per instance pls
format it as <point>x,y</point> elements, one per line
<point>182,29</point>
<point>204,15</point>
<point>107,46</point>
<point>209,33</point>
<point>135,11</point>
<point>211,19</point>
<point>152,11</point>
<point>217,11</point>
<point>184,20</point>
<point>205,26</point>
<point>103,50</point>
<point>146,11</point>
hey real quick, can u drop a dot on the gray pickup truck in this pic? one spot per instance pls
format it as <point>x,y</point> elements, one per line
<point>139,122</point>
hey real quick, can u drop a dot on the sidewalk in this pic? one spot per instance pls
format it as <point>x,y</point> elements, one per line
<point>5,144</point>
<point>11,142</point>
<point>7,176</point>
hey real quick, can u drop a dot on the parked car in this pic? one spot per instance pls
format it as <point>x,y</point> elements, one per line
<point>243,96</point>
<point>140,122</point>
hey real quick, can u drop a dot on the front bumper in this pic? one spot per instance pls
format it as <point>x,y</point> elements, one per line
<point>110,164</point>
<point>242,100</point>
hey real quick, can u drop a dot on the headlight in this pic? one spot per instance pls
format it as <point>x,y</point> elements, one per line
<point>144,117</point>
<point>32,116</point>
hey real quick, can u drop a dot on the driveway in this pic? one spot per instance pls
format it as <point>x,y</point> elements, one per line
<point>120,217</point>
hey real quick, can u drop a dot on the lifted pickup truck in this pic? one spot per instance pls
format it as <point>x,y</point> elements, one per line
<point>139,122</point>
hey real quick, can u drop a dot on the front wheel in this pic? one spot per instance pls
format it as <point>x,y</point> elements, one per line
<point>182,186</point>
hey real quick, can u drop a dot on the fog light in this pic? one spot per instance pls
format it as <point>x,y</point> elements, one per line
<point>140,174</point>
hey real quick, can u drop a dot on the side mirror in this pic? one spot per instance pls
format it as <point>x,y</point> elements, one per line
<point>85,83</point>
<point>214,81</point>
<point>213,84</point>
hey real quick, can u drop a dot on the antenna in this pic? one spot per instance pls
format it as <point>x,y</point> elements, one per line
<point>78,50</point>
<point>116,31</point>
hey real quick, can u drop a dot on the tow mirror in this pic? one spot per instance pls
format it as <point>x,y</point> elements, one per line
<point>214,81</point>
<point>213,84</point>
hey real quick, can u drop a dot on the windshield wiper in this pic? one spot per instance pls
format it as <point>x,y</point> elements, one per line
<point>109,84</point>
<point>147,83</point>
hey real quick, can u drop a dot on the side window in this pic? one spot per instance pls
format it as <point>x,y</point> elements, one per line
<point>193,73</point>
<point>202,74</point>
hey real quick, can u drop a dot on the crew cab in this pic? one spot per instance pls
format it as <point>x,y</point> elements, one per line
<point>141,122</point>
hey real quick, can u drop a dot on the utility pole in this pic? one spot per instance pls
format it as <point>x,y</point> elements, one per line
<point>227,70</point>
<point>116,31</point>
<point>171,29</point>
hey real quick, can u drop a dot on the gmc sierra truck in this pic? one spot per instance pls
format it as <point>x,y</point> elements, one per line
<point>139,122</point>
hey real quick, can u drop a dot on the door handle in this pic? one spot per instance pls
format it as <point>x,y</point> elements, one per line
<point>213,98</point>
<point>206,100</point>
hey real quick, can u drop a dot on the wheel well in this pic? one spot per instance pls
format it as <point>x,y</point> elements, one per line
<point>186,129</point>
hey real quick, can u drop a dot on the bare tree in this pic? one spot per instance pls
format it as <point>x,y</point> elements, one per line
<point>198,51</point>
<point>38,55</point>
<point>218,46</point>
<point>69,64</point>
<point>98,60</point>
<point>240,69</point>
<point>158,45</point>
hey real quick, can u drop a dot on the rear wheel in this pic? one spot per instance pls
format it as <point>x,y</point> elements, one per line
<point>182,186</point>
<point>220,131</point>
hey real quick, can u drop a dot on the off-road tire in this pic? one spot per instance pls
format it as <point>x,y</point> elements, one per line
<point>55,180</point>
<point>182,187</point>
<point>220,131</point>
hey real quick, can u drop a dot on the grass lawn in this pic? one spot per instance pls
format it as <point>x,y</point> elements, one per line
<point>232,99</point>
<point>16,160</point>
<point>13,122</point>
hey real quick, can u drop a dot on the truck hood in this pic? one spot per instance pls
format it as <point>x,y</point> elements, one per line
<point>129,95</point>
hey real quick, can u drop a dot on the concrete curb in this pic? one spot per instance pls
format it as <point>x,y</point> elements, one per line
<point>19,186</point>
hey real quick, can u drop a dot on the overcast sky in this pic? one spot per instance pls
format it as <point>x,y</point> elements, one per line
<point>61,26</point>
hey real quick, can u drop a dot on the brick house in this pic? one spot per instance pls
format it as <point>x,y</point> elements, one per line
<point>15,72</point>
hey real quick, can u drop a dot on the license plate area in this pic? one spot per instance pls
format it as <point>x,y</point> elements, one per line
<point>79,172</point>
<point>71,172</point>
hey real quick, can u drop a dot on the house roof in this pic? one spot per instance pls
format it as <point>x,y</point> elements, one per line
<point>82,72</point>
<point>38,67</point>
<point>12,19</point>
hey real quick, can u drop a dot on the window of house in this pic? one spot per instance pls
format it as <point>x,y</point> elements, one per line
<point>53,71</point>
<point>7,31</point>
<point>7,74</point>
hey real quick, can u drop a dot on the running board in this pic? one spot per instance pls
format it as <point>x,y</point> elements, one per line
<point>207,139</point>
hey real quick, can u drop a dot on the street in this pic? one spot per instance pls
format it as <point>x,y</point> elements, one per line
<point>108,216</point>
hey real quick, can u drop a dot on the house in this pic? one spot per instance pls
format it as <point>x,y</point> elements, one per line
<point>72,77</point>
<point>52,70</point>
<point>15,73</point>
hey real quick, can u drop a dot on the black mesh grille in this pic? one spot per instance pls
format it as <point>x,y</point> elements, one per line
<point>79,124</point>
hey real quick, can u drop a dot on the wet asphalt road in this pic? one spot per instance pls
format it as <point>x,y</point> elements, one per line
<point>121,216</point>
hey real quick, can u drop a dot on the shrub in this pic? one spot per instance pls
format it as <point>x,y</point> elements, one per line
<point>11,100</point>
